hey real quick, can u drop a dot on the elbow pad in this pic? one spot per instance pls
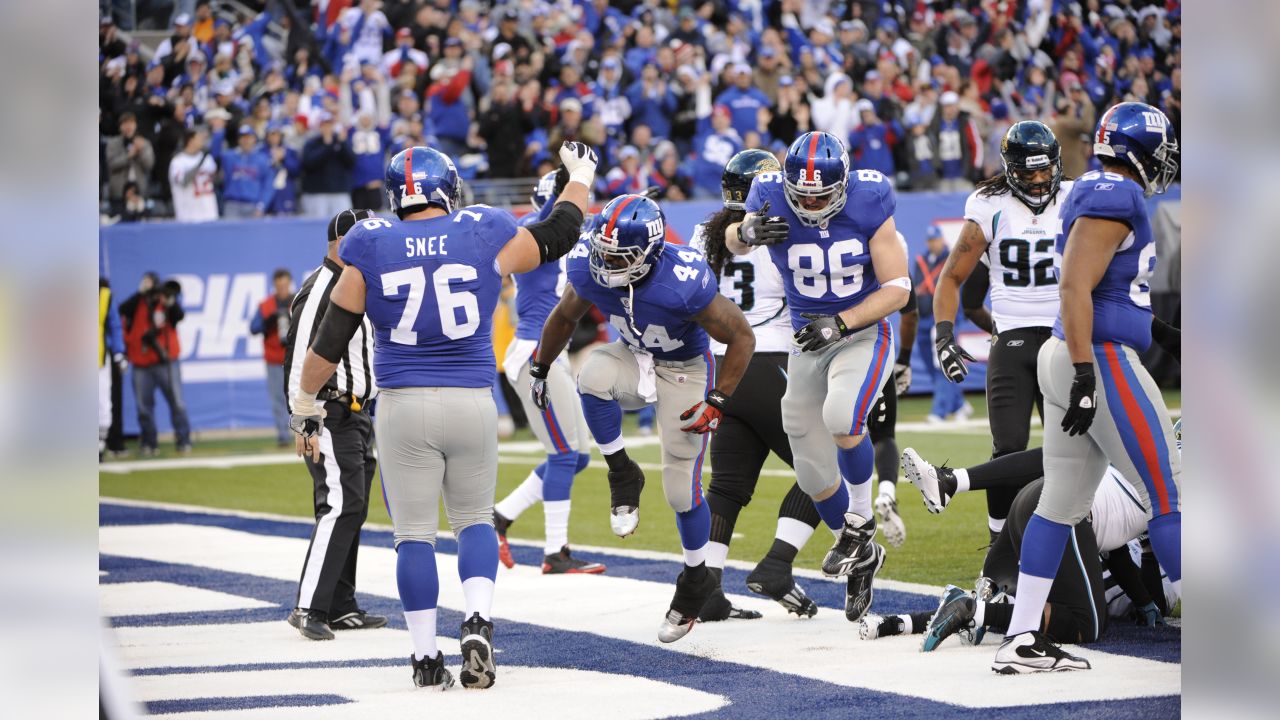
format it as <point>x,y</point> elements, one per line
<point>557,234</point>
<point>335,332</point>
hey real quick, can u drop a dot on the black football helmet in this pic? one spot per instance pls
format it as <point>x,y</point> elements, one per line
<point>1027,148</point>
<point>735,183</point>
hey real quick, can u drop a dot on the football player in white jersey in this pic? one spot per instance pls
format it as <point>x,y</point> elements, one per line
<point>1011,221</point>
<point>752,423</point>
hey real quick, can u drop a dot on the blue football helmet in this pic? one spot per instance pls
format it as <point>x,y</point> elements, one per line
<point>816,169</point>
<point>627,240</point>
<point>1140,136</point>
<point>435,180</point>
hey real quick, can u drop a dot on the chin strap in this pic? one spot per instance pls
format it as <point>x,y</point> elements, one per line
<point>631,318</point>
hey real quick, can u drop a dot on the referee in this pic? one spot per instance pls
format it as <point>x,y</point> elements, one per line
<point>344,473</point>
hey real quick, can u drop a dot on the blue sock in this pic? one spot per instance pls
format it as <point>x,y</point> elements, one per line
<point>1166,541</point>
<point>584,459</point>
<point>1042,547</point>
<point>557,480</point>
<point>857,462</point>
<point>833,508</point>
<point>541,470</point>
<point>604,418</point>
<point>645,416</point>
<point>695,526</point>
<point>478,552</point>
<point>416,575</point>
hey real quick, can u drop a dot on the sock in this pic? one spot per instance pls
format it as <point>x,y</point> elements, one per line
<point>524,496</point>
<point>604,419</point>
<point>995,524</point>
<point>856,462</point>
<point>584,459</point>
<point>1013,470</point>
<point>557,525</point>
<point>833,508</point>
<point>997,616</point>
<point>724,516</point>
<point>979,613</point>
<point>797,505</point>
<point>790,536</point>
<point>860,500</point>
<point>557,479</point>
<point>1042,547</point>
<point>478,567</point>
<point>715,554</point>
<point>1165,533</point>
<point>422,632</point>
<point>419,591</point>
<point>962,480</point>
<point>889,488</point>
<point>694,525</point>
<point>887,460</point>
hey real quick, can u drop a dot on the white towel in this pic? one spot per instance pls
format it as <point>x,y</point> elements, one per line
<point>517,357</point>
<point>647,388</point>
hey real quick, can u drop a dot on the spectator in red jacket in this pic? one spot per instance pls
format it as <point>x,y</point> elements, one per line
<point>272,322</point>
<point>150,318</point>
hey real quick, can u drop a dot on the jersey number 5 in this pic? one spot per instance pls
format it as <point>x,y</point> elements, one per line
<point>448,302</point>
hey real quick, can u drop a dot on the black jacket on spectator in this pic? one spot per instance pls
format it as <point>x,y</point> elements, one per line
<point>504,126</point>
<point>326,168</point>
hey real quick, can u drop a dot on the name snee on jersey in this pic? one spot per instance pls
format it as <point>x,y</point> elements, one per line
<point>1020,247</point>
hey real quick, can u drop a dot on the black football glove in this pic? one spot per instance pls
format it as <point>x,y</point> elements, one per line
<point>1084,401</point>
<point>821,332</point>
<point>757,228</point>
<point>950,355</point>
<point>538,385</point>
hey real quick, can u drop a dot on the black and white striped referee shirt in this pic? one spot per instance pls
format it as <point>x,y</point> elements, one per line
<point>354,375</point>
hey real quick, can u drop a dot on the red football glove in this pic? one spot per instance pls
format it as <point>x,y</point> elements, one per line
<point>706,414</point>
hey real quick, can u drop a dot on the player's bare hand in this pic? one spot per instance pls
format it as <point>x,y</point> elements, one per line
<point>705,415</point>
<point>760,228</point>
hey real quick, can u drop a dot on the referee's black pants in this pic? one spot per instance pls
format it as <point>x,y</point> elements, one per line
<point>1077,598</point>
<point>342,480</point>
<point>1012,391</point>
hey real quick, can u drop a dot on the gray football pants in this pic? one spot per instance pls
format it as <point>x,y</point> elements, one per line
<point>560,428</point>
<point>433,441</point>
<point>1131,430</point>
<point>830,392</point>
<point>612,373</point>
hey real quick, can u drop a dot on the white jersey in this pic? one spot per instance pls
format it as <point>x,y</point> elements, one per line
<point>1118,513</point>
<point>194,201</point>
<point>1024,289</point>
<point>752,282</point>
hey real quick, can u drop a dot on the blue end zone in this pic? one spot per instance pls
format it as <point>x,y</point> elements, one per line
<point>752,691</point>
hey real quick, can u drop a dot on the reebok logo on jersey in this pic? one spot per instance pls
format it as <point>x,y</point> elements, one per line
<point>1014,343</point>
<point>1105,186</point>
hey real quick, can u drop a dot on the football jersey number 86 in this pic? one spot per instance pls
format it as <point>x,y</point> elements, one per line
<point>817,271</point>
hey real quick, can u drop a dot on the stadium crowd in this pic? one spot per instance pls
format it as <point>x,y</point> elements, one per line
<point>293,108</point>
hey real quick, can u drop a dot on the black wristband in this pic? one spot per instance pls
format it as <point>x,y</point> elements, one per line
<point>1083,368</point>
<point>717,399</point>
<point>904,357</point>
<point>538,370</point>
<point>944,328</point>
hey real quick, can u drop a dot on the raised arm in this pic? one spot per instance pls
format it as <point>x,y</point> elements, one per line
<point>725,322</point>
<point>551,238</point>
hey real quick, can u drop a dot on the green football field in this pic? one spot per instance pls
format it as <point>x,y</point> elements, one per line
<point>939,548</point>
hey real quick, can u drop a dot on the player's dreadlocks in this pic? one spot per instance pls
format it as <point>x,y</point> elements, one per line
<point>713,233</point>
<point>997,184</point>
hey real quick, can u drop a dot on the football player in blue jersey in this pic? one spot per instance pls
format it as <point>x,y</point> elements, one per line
<point>1104,258</point>
<point>663,301</point>
<point>836,246</point>
<point>559,426</point>
<point>429,282</point>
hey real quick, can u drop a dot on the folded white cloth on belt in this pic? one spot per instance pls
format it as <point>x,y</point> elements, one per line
<point>517,357</point>
<point>647,388</point>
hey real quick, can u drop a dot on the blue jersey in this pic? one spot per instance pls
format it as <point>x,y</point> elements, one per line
<point>538,290</point>
<point>662,304</point>
<point>1122,299</point>
<point>431,288</point>
<point>827,270</point>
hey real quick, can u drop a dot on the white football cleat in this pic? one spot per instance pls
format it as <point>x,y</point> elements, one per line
<point>1032,652</point>
<point>895,532</point>
<point>925,477</point>
<point>624,520</point>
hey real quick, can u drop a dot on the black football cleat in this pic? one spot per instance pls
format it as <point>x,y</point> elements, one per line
<point>311,624</point>
<point>858,589</point>
<point>358,620</point>
<point>1032,652</point>
<point>563,563</point>
<point>431,672</point>
<point>693,587</point>
<point>719,608</point>
<point>849,551</point>
<point>772,579</point>
<point>954,615</point>
<point>479,671</point>
<point>625,486</point>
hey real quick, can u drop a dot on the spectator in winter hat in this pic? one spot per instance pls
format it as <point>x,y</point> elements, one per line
<point>627,176</point>
<point>834,111</point>
<point>715,143</point>
<point>743,100</point>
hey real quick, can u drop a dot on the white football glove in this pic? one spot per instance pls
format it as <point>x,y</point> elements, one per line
<point>580,160</point>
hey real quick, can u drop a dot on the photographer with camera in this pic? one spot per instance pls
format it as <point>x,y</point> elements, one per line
<point>150,319</point>
<point>272,323</point>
